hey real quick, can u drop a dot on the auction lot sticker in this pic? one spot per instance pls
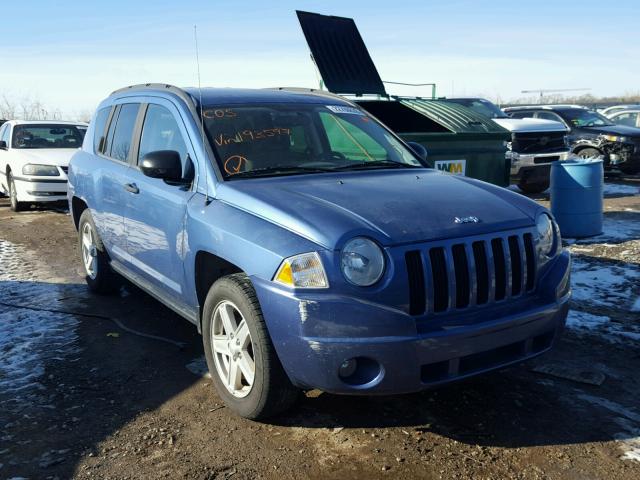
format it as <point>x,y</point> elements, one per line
<point>456,167</point>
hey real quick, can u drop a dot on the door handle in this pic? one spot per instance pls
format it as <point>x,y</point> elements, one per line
<point>132,188</point>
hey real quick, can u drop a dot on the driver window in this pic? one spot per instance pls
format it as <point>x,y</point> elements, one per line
<point>161,132</point>
<point>347,139</point>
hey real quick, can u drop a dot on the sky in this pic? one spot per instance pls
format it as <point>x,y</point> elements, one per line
<point>71,54</point>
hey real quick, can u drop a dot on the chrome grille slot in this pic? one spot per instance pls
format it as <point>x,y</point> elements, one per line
<point>478,272</point>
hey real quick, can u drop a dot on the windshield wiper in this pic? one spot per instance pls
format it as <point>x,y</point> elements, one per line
<point>376,164</point>
<point>265,171</point>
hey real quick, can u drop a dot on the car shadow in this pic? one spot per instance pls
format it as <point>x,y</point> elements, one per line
<point>97,379</point>
<point>511,408</point>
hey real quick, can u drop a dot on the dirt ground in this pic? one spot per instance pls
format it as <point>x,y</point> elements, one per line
<point>83,397</point>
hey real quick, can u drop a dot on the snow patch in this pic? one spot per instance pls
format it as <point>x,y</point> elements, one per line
<point>29,339</point>
<point>618,189</point>
<point>578,320</point>
<point>614,230</point>
<point>604,285</point>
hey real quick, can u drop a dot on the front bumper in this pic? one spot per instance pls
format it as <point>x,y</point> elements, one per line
<point>524,162</point>
<point>314,334</point>
<point>40,190</point>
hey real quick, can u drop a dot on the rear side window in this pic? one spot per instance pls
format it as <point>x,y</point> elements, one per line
<point>100,123</point>
<point>123,132</point>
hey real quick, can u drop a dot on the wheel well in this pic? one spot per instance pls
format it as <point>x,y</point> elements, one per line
<point>209,268</point>
<point>77,207</point>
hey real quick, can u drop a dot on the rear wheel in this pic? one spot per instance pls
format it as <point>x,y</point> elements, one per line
<point>99,276</point>
<point>241,358</point>
<point>16,206</point>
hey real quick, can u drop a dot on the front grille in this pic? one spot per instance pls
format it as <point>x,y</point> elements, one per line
<point>466,274</point>
<point>538,142</point>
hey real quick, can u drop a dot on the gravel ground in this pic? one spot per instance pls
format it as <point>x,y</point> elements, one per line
<point>81,397</point>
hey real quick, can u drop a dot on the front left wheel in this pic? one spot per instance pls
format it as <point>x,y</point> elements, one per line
<point>241,358</point>
<point>15,205</point>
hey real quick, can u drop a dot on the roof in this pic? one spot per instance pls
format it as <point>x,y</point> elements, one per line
<point>542,107</point>
<point>230,96</point>
<point>45,122</point>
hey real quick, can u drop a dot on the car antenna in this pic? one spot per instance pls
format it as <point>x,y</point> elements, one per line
<point>207,199</point>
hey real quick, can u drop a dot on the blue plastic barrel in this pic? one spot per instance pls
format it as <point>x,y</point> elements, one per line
<point>576,197</point>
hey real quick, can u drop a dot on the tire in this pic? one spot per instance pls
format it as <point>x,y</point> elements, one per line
<point>629,169</point>
<point>589,153</point>
<point>533,187</point>
<point>15,205</point>
<point>270,391</point>
<point>100,277</point>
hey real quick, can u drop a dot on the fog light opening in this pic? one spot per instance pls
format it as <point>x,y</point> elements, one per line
<point>359,371</point>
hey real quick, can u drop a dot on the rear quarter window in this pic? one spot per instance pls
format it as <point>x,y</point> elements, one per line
<point>122,134</point>
<point>100,123</point>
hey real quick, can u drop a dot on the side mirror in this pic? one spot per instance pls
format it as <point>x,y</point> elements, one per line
<point>3,145</point>
<point>163,164</point>
<point>419,150</point>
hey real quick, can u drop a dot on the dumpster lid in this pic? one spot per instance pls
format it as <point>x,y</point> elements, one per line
<point>340,54</point>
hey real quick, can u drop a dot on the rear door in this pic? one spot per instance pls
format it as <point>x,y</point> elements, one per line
<point>155,211</point>
<point>115,151</point>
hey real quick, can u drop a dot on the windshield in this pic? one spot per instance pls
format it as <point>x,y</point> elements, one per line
<point>46,136</point>
<point>286,139</point>
<point>585,118</point>
<point>481,106</point>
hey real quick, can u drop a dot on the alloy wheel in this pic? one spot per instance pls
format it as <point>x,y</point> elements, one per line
<point>89,251</point>
<point>232,349</point>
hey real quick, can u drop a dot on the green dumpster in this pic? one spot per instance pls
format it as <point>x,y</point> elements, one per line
<point>458,140</point>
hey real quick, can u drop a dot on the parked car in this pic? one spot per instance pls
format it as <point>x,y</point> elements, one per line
<point>535,143</point>
<point>629,118</point>
<point>458,139</point>
<point>310,245</point>
<point>607,112</point>
<point>591,134</point>
<point>34,157</point>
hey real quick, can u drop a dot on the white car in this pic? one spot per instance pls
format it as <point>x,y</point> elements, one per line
<point>629,117</point>
<point>34,158</point>
<point>535,143</point>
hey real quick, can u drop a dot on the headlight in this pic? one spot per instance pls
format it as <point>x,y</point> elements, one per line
<point>40,170</point>
<point>548,238</point>
<point>614,138</point>
<point>302,271</point>
<point>362,262</point>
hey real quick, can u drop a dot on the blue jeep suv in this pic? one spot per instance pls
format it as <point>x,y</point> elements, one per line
<point>310,246</point>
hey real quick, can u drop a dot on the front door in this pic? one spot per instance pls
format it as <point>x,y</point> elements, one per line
<point>155,211</point>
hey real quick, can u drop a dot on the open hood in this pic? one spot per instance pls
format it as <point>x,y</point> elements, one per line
<point>340,54</point>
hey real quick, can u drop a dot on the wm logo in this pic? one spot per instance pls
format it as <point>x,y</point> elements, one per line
<point>456,167</point>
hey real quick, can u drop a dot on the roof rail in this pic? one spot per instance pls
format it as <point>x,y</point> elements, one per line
<point>158,86</point>
<point>313,91</point>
